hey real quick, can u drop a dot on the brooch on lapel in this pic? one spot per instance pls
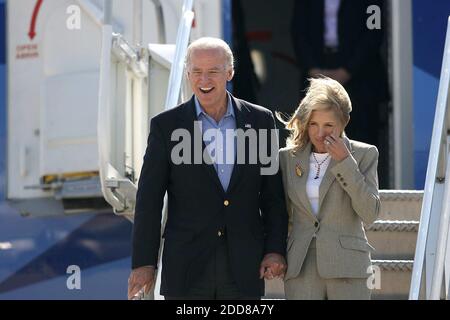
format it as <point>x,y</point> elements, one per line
<point>298,170</point>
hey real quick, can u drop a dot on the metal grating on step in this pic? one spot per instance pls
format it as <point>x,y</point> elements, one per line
<point>394,195</point>
<point>393,225</point>
<point>394,265</point>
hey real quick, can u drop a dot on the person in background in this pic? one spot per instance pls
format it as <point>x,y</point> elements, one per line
<point>245,81</point>
<point>332,38</point>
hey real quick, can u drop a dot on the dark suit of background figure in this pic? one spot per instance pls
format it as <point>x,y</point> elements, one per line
<point>245,81</point>
<point>358,52</point>
<point>198,208</point>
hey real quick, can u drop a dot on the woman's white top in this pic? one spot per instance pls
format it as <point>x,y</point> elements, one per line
<point>331,23</point>
<point>312,184</point>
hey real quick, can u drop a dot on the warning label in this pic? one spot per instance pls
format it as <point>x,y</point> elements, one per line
<point>27,51</point>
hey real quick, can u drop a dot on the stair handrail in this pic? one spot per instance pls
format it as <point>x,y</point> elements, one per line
<point>438,169</point>
<point>173,94</point>
<point>182,42</point>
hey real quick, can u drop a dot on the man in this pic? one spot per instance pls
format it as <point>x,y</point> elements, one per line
<point>227,223</point>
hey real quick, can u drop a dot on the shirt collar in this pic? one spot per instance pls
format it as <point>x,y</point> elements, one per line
<point>199,109</point>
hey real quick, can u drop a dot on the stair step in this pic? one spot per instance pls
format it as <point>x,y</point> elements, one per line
<point>394,225</point>
<point>393,239</point>
<point>395,279</point>
<point>400,204</point>
<point>394,265</point>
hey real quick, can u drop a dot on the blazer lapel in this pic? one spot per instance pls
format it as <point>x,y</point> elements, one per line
<point>188,118</point>
<point>242,119</point>
<point>301,160</point>
<point>329,177</point>
<point>327,180</point>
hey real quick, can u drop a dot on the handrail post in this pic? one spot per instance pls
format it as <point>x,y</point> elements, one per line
<point>107,11</point>
<point>176,72</point>
<point>438,272</point>
<point>173,91</point>
<point>433,162</point>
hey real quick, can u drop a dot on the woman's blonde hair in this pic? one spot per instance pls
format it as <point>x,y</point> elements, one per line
<point>323,94</point>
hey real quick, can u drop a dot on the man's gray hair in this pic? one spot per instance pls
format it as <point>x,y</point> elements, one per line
<point>210,43</point>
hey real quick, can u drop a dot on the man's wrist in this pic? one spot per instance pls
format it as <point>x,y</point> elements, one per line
<point>149,266</point>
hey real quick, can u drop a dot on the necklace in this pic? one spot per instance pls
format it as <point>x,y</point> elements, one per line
<point>319,164</point>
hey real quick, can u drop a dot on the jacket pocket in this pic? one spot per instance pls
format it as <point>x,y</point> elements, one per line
<point>355,243</point>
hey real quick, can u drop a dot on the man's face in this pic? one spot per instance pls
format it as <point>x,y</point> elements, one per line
<point>208,74</point>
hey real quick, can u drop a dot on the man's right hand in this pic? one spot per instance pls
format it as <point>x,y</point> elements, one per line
<point>142,277</point>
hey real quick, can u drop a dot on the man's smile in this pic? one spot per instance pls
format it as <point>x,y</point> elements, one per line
<point>206,89</point>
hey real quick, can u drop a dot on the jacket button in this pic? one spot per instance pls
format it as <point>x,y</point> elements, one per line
<point>345,184</point>
<point>339,175</point>
<point>226,203</point>
<point>316,224</point>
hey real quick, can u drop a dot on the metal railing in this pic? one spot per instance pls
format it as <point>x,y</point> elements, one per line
<point>432,239</point>
<point>172,99</point>
<point>118,190</point>
<point>177,70</point>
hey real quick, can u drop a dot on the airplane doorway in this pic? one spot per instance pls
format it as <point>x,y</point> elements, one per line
<point>267,72</point>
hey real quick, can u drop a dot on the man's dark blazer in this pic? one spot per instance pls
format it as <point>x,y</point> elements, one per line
<point>255,216</point>
<point>359,47</point>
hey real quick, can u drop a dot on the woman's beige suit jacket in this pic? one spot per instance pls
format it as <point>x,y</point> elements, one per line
<point>348,197</point>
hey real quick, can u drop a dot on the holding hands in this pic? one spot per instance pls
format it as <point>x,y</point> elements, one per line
<point>141,278</point>
<point>273,265</point>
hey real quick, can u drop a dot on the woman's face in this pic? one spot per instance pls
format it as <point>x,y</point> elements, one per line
<point>322,124</point>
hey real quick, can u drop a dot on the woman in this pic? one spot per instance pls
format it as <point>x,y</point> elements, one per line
<point>331,188</point>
